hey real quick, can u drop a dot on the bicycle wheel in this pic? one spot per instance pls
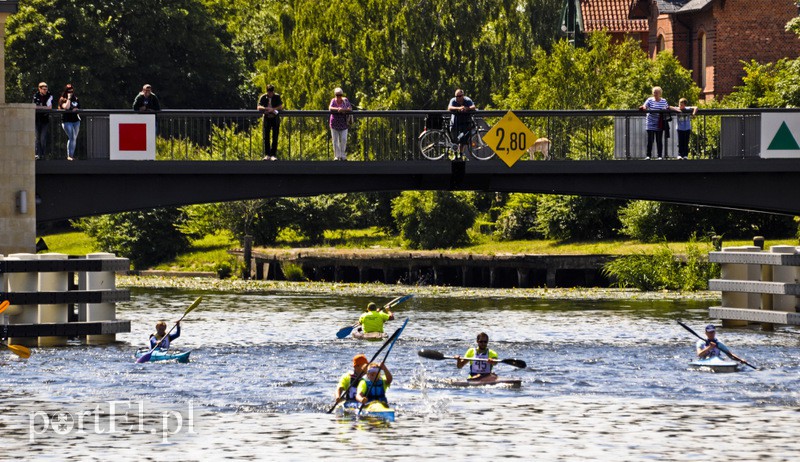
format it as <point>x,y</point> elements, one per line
<point>479,149</point>
<point>433,144</point>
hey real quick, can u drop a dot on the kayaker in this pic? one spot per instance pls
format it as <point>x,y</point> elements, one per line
<point>712,346</point>
<point>160,336</point>
<point>348,384</point>
<point>373,387</point>
<point>479,369</point>
<point>373,319</point>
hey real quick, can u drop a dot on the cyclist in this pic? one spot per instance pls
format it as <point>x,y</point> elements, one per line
<point>461,108</point>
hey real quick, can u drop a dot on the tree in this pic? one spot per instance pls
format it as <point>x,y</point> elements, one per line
<point>430,220</point>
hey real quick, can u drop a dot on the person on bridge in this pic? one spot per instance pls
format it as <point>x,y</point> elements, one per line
<point>655,123</point>
<point>340,109</point>
<point>270,104</point>
<point>70,120</point>
<point>146,100</point>
<point>479,370</point>
<point>161,338</point>
<point>43,99</point>
<point>373,319</point>
<point>685,116</point>
<point>712,346</point>
<point>461,108</point>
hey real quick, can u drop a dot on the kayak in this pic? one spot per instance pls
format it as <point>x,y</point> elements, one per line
<point>488,381</point>
<point>715,364</point>
<point>368,336</point>
<point>168,355</point>
<point>375,409</point>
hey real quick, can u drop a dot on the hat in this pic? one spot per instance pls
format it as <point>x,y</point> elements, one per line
<point>710,328</point>
<point>338,91</point>
<point>371,306</point>
<point>359,359</point>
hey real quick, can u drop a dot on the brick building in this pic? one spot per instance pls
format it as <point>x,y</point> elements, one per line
<point>582,17</point>
<point>712,37</point>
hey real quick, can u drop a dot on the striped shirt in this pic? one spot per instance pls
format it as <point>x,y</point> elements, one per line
<point>651,121</point>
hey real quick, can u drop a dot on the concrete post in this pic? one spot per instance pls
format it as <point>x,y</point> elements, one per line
<point>787,274</point>
<point>100,280</point>
<point>743,272</point>
<point>23,314</point>
<point>53,282</point>
<point>522,277</point>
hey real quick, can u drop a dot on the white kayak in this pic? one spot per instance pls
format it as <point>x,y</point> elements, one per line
<point>715,364</point>
<point>359,334</point>
<point>488,381</point>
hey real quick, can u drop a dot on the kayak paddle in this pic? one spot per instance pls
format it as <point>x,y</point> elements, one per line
<point>19,350</point>
<point>432,354</point>
<point>358,377</point>
<point>146,357</point>
<point>729,354</point>
<point>391,345</point>
<point>4,305</point>
<point>345,331</point>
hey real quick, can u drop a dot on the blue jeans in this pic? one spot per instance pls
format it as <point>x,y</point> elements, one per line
<point>72,129</point>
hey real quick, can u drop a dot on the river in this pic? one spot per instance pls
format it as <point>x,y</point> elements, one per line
<point>605,381</point>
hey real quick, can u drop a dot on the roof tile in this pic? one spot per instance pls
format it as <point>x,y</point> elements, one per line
<point>611,16</point>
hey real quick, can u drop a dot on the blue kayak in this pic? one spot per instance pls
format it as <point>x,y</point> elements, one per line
<point>168,355</point>
<point>374,409</point>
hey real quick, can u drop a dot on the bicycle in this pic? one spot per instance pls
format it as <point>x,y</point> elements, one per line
<point>435,142</point>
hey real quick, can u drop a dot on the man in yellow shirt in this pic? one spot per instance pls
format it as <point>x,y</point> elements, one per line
<point>373,319</point>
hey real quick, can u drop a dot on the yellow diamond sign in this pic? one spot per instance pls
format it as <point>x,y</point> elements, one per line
<point>509,138</point>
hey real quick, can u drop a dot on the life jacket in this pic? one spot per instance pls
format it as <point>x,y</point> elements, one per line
<point>163,344</point>
<point>375,391</point>
<point>480,367</point>
<point>714,351</point>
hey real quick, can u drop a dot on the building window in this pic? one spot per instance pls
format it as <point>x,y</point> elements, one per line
<point>660,44</point>
<point>703,52</point>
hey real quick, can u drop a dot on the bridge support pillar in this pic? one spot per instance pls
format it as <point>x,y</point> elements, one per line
<point>18,180</point>
<point>741,272</point>
<point>550,278</point>
<point>23,314</point>
<point>522,277</point>
<point>54,313</point>
<point>466,276</point>
<point>105,311</point>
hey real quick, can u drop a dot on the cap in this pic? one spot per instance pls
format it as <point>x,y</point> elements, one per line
<point>270,87</point>
<point>359,359</point>
<point>371,306</point>
<point>338,91</point>
<point>710,328</point>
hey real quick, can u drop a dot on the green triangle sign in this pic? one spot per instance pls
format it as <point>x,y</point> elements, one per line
<point>783,140</point>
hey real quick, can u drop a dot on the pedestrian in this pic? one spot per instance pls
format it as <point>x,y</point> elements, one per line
<point>146,100</point>
<point>70,120</point>
<point>656,123</point>
<point>270,104</point>
<point>479,370</point>
<point>43,99</point>
<point>340,108</point>
<point>461,108</point>
<point>685,116</point>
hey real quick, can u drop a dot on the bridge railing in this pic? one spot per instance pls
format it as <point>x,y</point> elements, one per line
<point>393,135</point>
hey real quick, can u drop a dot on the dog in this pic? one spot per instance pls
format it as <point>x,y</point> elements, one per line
<point>541,145</point>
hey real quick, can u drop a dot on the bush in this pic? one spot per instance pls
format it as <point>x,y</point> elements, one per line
<point>145,237</point>
<point>517,220</point>
<point>430,220</point>
<point>576,217</point>
<point>293,272</point>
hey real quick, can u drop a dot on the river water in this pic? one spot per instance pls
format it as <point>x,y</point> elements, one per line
<point>605,381</point>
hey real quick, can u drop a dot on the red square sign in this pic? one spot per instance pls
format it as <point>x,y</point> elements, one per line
<point>132,137</point>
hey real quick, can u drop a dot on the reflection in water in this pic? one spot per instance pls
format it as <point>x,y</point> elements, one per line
<point>604,382</point>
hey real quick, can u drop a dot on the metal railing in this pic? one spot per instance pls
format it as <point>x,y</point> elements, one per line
<point>393,135</point>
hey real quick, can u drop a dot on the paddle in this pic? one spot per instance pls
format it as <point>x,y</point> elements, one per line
<point>19,350</point>
<point>399,331</point>
<point>146,357</point>
<point>360,374</point>
<point>345,331</point>
<point>727,353</point>
<point>432,354</point>
<point>4,305</point>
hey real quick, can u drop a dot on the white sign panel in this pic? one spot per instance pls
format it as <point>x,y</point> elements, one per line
<point>780,133</point>
<point>132,136</point>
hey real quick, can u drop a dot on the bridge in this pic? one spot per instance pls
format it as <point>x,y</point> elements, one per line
<point>214,156</point>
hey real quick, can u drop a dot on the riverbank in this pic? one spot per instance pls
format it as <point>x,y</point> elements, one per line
<point>392,290</point>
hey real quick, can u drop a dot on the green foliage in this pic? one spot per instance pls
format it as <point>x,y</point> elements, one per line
<point>662,270</point>
<point>768,85</point>
<point>430,220</point>
<point>224,269</point>
<point>292,272</point>
<point>145,237</point>
<point>517,218</point>
<point>109,49</point>
<point>576,217</point>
